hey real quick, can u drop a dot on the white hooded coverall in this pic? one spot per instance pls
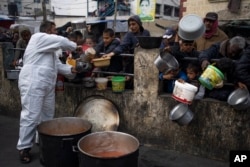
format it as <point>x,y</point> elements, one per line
<point>37,81</point>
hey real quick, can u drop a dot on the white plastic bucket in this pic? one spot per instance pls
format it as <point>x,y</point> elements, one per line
<point>101,83</point>
<point>184,92</point>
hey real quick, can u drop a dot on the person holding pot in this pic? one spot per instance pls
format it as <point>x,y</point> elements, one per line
<point>107,45</point>
<point>169,77</point>
<point>37,82</point>
<point>227,52</point>
<point>185,49</point>
<point>228,48</point>
<point>169,38</point>
<point>242,69</point>
<point>128,44</point>
<point>213,33</point>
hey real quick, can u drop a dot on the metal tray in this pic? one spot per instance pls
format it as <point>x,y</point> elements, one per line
<point>101,112</point>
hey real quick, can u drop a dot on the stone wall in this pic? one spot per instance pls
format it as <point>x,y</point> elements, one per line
<point>215,130</point>
<point>201,7</point>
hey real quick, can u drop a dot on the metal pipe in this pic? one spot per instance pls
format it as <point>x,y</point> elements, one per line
<point>113,73</point>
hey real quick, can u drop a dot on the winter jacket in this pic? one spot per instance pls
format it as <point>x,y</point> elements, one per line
<point>116,61</point>
<point>180,56</point>
<point>129,42</point>
<point>203,43</point>
<point>211,53</point>
<point>242,68</point>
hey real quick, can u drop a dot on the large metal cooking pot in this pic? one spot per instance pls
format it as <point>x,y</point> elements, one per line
<point>239,99</point>
<point>108,149</point>
<point>58,138</point>
<point>165,62</point>
<point>181,114</point>
<point>191,27</point>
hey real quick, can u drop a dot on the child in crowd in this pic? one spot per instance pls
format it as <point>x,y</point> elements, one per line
<point>88,51</point>
<point>128,44</point>
<point>90,42</point>
<point>170,77</point>
<point>193,71</point>
<point>169,39</point>
<point>107,45</point>
<point>185,49</point>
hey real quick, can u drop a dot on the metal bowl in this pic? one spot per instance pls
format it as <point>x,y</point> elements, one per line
<point>149,42</point>
<point>239,99</point>
<point>165,62</point>
<point>88,82</point>
<point>181,114</point>
<point>191,27</point>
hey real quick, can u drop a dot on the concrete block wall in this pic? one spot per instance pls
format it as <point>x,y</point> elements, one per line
<point>144,113</point>
<point>201,7</point>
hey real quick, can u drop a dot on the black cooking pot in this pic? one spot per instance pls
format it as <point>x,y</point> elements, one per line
<point>58,139</point>
<point>149,42</point>
<point>108,149</point>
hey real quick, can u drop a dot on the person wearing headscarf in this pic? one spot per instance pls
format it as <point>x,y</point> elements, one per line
<point>213,33</point>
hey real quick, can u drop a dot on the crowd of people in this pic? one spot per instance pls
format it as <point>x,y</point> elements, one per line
<point>214,44</point>
<point>43,59</point>
<point>230,56</point>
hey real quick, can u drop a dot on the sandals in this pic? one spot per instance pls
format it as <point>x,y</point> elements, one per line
<point>25,156</point>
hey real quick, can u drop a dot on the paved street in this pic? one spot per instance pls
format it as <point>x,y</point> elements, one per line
<point>148,156</point>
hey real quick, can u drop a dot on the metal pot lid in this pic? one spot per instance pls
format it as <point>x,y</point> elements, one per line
<point>100,112</point>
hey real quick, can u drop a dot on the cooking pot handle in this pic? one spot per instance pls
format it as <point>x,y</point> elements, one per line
<point>75,149</point>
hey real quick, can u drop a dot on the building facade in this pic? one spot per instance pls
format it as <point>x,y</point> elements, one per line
<point>23,7</point>
<point>164,9</point>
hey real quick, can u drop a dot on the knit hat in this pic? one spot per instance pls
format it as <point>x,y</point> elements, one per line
<point>137,19</point>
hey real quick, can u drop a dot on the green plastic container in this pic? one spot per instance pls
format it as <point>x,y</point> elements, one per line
<point>211,77</point>
<point>118,83</point>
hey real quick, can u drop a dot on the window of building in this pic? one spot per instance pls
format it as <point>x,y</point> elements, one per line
<point>167,10</point>
<point>158,9</point>
<point>176,12</point>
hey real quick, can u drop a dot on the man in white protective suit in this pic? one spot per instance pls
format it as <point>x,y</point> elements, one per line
<point>37,81</point>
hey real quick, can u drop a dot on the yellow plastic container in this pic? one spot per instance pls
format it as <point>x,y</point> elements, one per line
<point>118,84</point>
<point>211,77</point>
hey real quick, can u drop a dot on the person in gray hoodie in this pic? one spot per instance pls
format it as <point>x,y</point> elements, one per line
<point>129,43</point>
